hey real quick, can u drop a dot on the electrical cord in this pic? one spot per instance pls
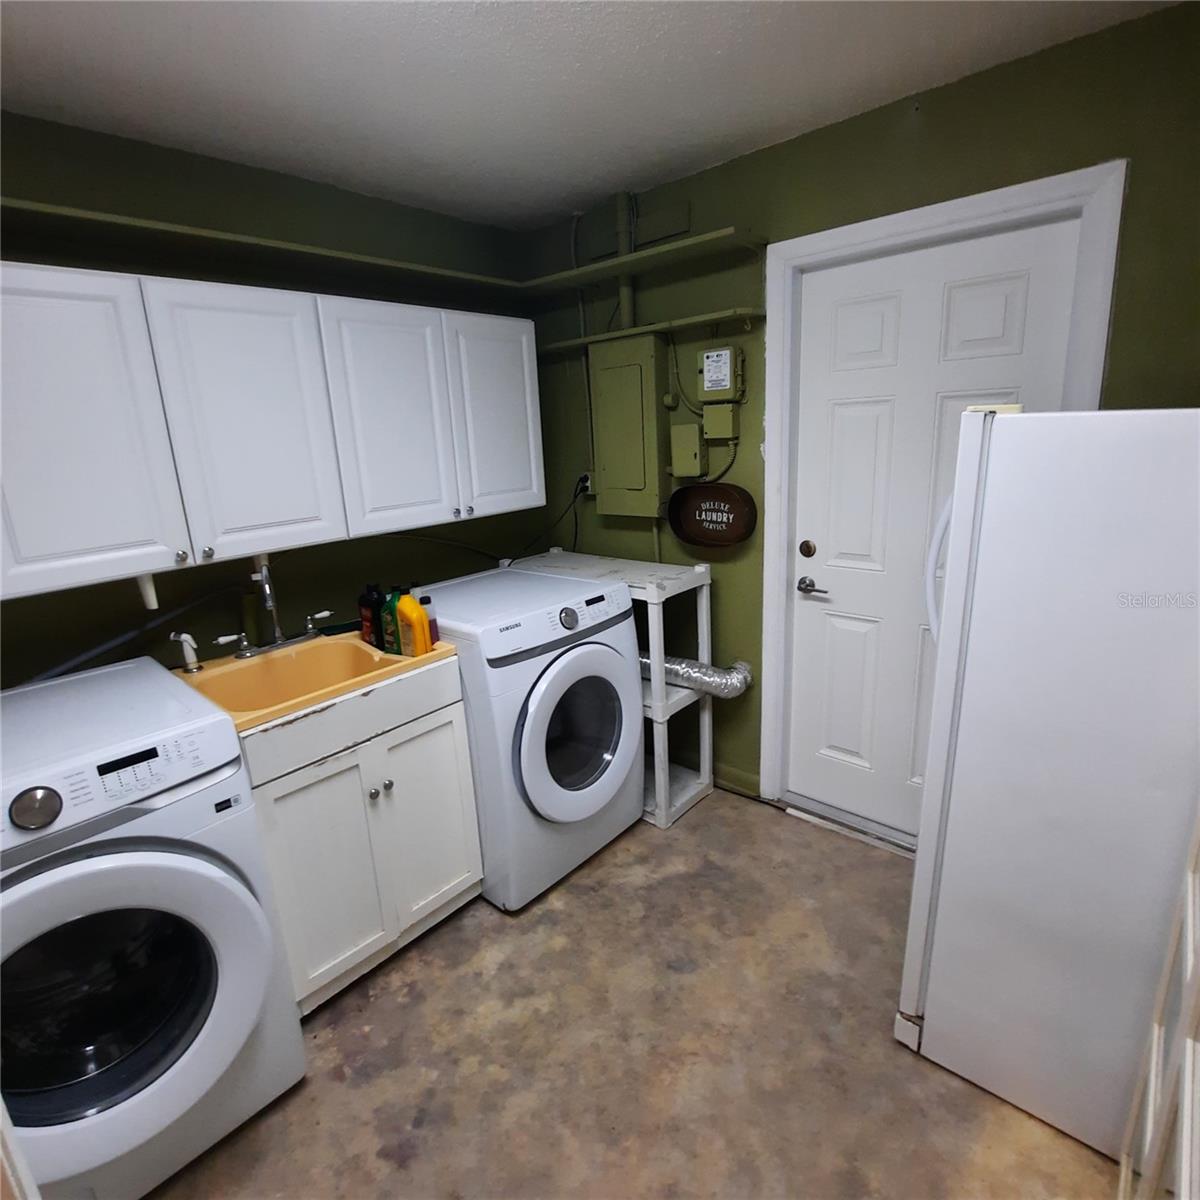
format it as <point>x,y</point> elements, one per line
<point>699,412</point>
<point>579,490</point>
<point>424,537</point>
<point>733,449</point>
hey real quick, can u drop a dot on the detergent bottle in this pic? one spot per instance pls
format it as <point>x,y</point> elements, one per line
<point>405,624</point>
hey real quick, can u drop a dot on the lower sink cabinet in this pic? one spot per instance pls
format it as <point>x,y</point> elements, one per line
<point>370,847</point>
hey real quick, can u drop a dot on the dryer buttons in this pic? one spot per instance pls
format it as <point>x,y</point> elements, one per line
<point>35,808</point>
<point>568,618</point>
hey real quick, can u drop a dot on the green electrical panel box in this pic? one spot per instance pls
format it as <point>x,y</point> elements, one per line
<point>689,451</point>
<point>720,422</point>
<point>629,377</point>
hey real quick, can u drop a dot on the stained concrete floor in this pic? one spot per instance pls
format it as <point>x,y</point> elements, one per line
<point>705,1011</point>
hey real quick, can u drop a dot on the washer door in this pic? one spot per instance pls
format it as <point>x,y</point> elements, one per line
<point>131,981</point>
<point>579,731</point>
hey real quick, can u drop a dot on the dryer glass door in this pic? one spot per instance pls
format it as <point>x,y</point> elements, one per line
<point>580,732</point>
<point>131,981</point>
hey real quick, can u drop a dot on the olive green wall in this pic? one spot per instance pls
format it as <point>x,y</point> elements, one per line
<point>1129,92</point>
<point>55,164</point>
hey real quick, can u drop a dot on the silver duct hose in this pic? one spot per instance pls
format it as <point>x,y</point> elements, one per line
<point>723,682</point>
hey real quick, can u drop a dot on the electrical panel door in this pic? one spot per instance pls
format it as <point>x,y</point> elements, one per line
<point>629,425</point>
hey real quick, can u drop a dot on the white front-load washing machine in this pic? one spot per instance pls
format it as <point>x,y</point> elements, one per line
<point>553,695</point>
<point>147,1007</point>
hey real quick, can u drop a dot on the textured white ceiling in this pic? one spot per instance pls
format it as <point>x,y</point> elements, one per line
<point>510,113</point>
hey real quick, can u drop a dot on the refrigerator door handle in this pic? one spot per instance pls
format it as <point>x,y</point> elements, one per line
<point>935,552</point>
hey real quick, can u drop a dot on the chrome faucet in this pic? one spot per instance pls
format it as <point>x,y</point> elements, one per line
<point>262,576</point>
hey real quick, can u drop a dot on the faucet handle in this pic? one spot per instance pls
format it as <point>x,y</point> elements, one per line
<point>309,621</point>
<point>244,649</point>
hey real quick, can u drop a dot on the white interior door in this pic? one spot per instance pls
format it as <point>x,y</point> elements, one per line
<point>243,382</point>
<point>892,352</point>
<point>89,488</point>
<point>391,411</point>
<point>494,394</point>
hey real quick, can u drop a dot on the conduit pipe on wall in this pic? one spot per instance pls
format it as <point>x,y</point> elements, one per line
<point>625,246</point>
<point>722,682</point>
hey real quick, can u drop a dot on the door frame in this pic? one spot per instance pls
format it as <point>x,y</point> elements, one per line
<point>1093,196</point>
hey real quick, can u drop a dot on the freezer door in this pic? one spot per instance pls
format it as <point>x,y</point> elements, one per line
<point>1074,770</point>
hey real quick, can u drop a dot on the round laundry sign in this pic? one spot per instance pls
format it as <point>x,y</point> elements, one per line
<point>712,514</point>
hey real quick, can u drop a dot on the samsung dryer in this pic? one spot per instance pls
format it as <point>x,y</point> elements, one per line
<point>553,695</point>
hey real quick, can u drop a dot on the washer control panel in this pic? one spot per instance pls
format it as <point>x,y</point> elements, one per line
<point>79,790</point>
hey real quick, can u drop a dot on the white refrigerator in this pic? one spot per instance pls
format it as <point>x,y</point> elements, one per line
<point>1063,774</point>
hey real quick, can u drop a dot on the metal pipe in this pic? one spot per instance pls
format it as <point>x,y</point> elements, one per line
<point>722,682</point>
<point>625,246</point>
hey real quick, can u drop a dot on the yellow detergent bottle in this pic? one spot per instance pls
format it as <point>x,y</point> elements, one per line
<point>412,624</point>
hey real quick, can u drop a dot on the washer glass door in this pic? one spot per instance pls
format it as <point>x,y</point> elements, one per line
<point>98,1008</point>
<point>131,981</point>
<point>579,733</point>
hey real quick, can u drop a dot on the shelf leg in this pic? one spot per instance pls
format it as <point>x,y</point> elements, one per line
<point>662,776</point>
<point>704,647</point>
<point>658,672</point>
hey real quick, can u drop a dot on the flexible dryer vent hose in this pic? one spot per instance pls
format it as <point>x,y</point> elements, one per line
<point>723,682</point>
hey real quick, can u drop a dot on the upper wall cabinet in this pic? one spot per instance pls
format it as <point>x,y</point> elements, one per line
<point>150,424</point>
<point>243,383</point>
<point>89,488</point>
<point>391,410</point>
<point>497,426</point>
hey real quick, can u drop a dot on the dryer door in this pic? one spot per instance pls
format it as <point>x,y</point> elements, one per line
<point>131,980</point>
<point>579,732</point>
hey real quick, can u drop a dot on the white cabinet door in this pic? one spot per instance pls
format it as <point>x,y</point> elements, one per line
<point>429,851</point>
<point>391,413</point>
<point>243,382</point>
<point>319,826</point>
<point>89,488</point>
<point>497,420</point>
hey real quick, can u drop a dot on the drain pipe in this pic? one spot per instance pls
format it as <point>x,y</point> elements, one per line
<point>625,246</point>
<point>722,682</point>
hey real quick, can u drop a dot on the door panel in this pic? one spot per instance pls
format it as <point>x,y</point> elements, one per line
<point>892,351</point>
<point>319,828</point>
<point>494,394</point>
<point>860,450</point>
<point>429,848</point>
<point>391,411</point>
<point>243,382</point>
<point>89,487</point>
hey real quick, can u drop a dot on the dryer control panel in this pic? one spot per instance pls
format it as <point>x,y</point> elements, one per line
<point>541,631</point>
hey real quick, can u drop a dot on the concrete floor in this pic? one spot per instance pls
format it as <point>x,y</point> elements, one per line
<point>705,1011</point>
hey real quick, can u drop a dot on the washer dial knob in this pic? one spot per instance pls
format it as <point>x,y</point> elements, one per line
<point>568,618</point>
<point>35,808</point>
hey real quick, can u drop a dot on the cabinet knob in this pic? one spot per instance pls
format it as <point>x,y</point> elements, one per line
<point>457,513</point>
<point>207,552</point>
<point>388,784</point>
<point>470,510</point>
<point>181,556</point>
<point>374,793</point>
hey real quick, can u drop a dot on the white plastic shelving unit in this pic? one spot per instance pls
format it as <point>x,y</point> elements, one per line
<point>671,788</point>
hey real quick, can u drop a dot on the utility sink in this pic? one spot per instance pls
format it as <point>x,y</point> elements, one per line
<point>279,682</point>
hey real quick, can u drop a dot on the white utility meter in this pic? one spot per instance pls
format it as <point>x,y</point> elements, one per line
<point>720,373</point>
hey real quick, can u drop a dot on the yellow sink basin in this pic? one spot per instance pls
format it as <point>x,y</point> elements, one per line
<point>277,683</point>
